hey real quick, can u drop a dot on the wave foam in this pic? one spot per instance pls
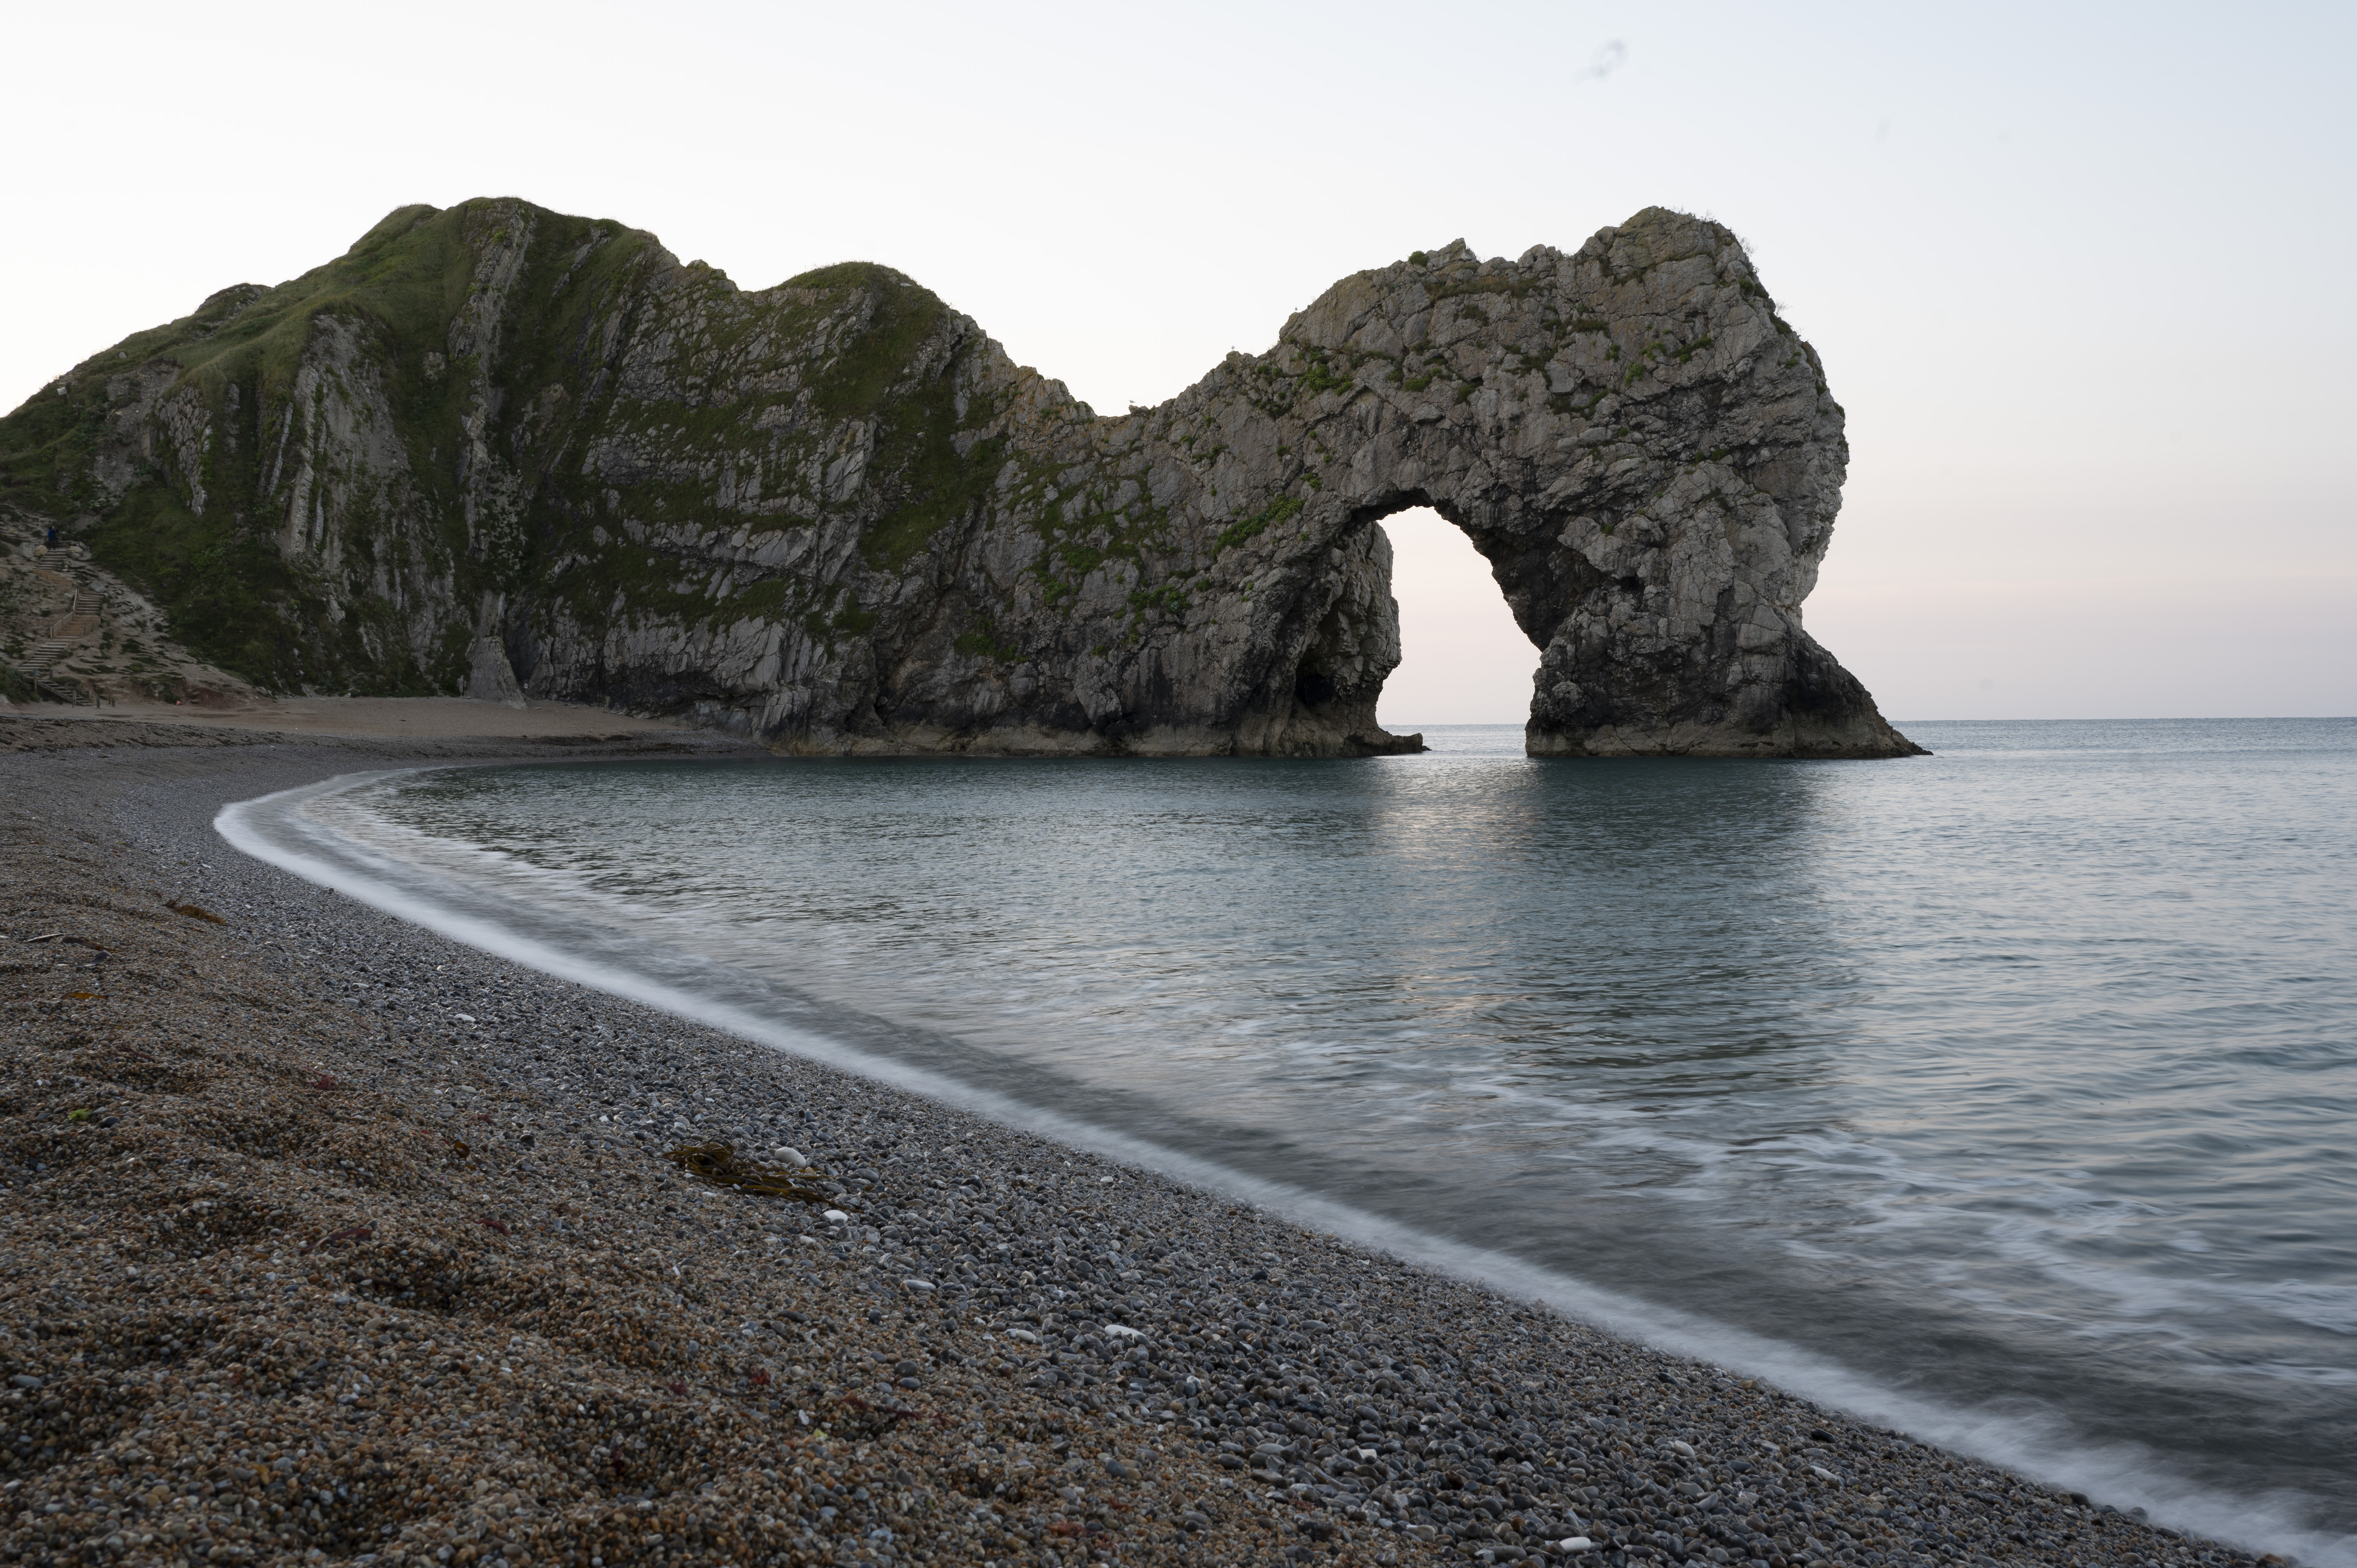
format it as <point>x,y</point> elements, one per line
<point>275,829</point>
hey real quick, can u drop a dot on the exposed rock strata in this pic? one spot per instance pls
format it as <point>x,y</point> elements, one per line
<point>89,635</point>
<point>497,448</point>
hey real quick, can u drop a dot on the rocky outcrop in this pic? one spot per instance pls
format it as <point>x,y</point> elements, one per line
<point>500,449</point>
<point>70,631</point>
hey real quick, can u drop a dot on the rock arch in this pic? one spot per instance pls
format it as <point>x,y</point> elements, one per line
<point>1648,456</point>
<point>500,448</point>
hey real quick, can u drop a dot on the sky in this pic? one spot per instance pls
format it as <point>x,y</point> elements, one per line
<point>2074,271</point>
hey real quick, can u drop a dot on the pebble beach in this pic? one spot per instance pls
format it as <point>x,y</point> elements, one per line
<point>324,1238</point>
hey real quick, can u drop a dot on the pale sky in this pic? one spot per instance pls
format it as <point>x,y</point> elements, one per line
<point>2077,273</point>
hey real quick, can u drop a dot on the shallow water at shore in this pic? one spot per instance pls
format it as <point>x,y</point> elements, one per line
<point>2011,1082</point>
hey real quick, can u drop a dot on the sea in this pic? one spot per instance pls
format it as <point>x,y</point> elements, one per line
<point>2007,1097</point>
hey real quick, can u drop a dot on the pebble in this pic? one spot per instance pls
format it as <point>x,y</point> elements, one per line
<point>458,1301</point>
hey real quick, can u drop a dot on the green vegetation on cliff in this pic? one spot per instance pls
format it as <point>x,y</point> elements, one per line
<point>322,482</point>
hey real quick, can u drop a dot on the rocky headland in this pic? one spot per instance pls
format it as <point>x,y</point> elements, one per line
<point>498,449</point>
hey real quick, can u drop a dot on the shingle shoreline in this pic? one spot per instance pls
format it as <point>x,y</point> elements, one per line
<point>330,1267</point>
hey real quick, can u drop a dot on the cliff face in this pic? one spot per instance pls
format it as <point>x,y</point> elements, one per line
<point>499,449</point>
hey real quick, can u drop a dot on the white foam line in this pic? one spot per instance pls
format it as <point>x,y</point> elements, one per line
<point>2040,1446</point>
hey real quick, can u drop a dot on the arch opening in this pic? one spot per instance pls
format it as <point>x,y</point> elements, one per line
<point>1464,659</point>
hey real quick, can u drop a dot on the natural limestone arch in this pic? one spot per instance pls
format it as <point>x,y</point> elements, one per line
<point>1647,455</point>
<point>497,446</point>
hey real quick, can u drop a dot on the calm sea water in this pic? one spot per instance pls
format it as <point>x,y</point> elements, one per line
<point>2004,1095</point>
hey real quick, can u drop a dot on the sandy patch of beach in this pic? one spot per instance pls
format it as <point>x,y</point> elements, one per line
<point>379,718</point>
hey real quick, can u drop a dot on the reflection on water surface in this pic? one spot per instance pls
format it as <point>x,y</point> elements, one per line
<point>2018,1077</point>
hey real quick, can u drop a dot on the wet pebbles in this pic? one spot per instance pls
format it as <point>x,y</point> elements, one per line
<point>322,1235</point>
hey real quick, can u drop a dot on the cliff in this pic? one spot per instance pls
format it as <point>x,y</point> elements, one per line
<point>499,449</point>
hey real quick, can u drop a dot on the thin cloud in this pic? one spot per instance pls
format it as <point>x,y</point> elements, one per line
<point>1611,57</point>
